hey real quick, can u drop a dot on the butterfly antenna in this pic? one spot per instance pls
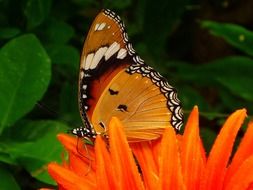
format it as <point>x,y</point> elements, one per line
<point>54,113</point>
<point>88,154</point>
<point>87,157</point>
<point>46,108</point>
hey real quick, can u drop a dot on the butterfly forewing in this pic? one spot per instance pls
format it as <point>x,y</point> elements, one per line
<point>99,62</point>
<point>115,81</point>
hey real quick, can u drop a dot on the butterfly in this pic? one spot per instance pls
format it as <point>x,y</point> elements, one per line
<point>115,81</point>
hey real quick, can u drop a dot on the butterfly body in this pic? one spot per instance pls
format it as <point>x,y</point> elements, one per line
<point>115,81</point>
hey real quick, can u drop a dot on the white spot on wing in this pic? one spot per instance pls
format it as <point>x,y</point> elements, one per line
<point>125,36</point>
<point>139,60</point>
<point>88,61</point>
<point>83,62</point>
<point>114,47</point>
<point>87,75</point>
<point>97,57</point>
<point>122,53</point>
<point>130,48</point>
<point>96,27</point>
<point>84,86</point>
<point>74,131</point>
<point>101,26</point>
<point>81,74</point>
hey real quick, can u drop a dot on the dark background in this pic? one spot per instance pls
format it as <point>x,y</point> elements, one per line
<point>204,49</point>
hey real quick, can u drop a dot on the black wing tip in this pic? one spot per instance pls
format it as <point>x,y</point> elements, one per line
<point>108,12</point>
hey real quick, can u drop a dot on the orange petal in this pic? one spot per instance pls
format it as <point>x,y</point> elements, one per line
<point>243,177</point>
<point>76,146</point>
<point>81,168</point>
<point>170,174</point>
<point>192,156</point>
<point>250,186</point>
<point>156,147</point>
<point>243,152</point>
<point>221,151</point>
<point>143,153</point>
<point>126,170</point>
<point>105,174</point>
<point>81,156</point>
<point>68,179</point>
<point>68,141</point>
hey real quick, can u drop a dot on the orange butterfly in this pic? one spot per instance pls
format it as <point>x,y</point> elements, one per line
<point>115,81</point>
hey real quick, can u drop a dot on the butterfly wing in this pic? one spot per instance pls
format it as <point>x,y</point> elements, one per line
<point>115,81</point>
<point>102,57</point>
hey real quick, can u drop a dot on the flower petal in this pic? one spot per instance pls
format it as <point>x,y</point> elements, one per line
<point>105,174</point>
<point>68,179</point>
<point>126,170</point>
<point>243,177</point>
<point>243,152</point>
<point>76,146</point>
<point>81,158</point>
<point>192,154</point>
<point>250,186</point>
<point>221,151</point>
<point>146,160</point>
<point>156,147</point>
<point>170,174</point>
<point>81,168</point>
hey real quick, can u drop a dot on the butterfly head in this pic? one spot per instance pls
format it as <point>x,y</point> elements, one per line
<point>83,132</point>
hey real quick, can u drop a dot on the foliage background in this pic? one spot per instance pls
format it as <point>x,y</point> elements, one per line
<point>203,47</point>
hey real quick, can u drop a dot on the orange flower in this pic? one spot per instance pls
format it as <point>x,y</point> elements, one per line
<point>172,162</point>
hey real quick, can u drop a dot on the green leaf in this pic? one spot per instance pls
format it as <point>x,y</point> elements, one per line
<point>36,11</point>
<point>234,66</point>
<point>37,168</point>
<point>235,35</point>
<point>37,134</point>
<point>67,59</point>
<point>241,86</point>
<point>160,18</point>
<point>190,97</point>
<point>209,136</point>
<point>68,103</point>
<point>24,77</point>
<point>6,33</point>
<point>117,4</point>
<point>231,102</point>
<point>58,32</point>
<point>64,54</point>
<point>234,73</point>
<point>86,3</point>
<point>40,147</point>
<point>191,73</point>
<point>5,157</point>
<point>7,180</point>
